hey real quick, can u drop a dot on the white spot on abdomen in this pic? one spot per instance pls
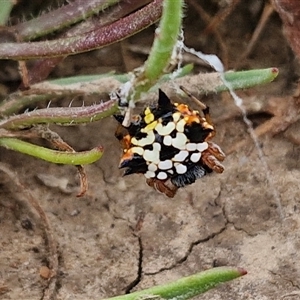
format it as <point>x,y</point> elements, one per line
<point>181,156</point>
<point>165,130</point>
<point>202,146</point>
<point>149,174</point>
<point>165,164</point>
<point>180,125</point>
<point>195,157</point>
<point>191,146</point>
<point>179,141</point>
<point>167,140</point>
<point>152,167</point>
<point>137,150</point>
<point>148,140</point>
<point>176,116</point>
<point>152,155</point>
<point>162,176</point>
<point>180,168</point>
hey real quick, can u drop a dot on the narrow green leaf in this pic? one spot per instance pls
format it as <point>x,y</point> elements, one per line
<point>53,156</point>
<point>122,78</point>
<point>187,287</point>
<point>246,79</point>
<point>88,78</point>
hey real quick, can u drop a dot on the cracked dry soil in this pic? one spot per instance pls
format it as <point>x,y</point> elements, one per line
<point>123,236</point>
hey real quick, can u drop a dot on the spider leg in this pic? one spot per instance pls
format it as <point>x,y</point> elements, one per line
<point>216,151</point>
<point>211,157</point>
<point>165,187</point>
<point>196,100</point>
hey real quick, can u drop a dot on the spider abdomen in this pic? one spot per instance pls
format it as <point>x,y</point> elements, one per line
<point>170,146</point>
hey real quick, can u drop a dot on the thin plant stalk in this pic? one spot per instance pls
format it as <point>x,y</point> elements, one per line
<point>96,39</point>
<point>238,80</point>
<point>60,18</point>
<point>53,156</point>
<point>61,115</point>
<point>41,68</point>
<point>188,287</point>
<point>162,49</point>
<point>165,39</point>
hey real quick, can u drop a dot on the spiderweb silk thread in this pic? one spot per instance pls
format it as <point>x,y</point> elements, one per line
<point>218,66</point>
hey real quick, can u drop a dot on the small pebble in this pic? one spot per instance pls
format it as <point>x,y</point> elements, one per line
<point>45,272</point>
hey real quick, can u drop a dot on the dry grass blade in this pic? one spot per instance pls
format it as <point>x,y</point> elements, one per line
<point>266,14</point>
<point>206,17</point>
<point>220,17</point>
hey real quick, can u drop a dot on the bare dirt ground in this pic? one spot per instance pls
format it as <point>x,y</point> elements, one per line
<point>122,235</point>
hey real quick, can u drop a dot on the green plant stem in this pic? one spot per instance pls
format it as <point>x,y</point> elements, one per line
<point>161,51</point>
<point>5,9</point>
<point>53,156</point>
<point>18,101</point>
<point>246,79</point>
<point>41,68</point>
<point>187,287</point>
<point>62,17</point>
<point>61,115</point>
<point>165,39</point>
<point>96,39</point>
<point>238,80</point>
<point>88,78</point>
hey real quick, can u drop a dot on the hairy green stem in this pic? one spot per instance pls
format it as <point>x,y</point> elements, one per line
<point>165,39</point>
<point>187,287</point>
<point>61,115</point>
<point>41,68</point>
<point>53,156</point>
<point>162,49</point>
<point>103,84</point>
<point>96,39</point>
<point>61,18</point>
<point>246,79</point>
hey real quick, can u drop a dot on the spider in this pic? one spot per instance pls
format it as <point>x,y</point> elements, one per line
<point>170,144</point>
